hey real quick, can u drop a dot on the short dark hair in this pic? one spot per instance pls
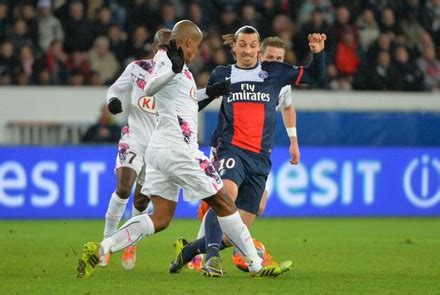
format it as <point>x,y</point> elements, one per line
<point>229,39</point>
<point>273,42</point>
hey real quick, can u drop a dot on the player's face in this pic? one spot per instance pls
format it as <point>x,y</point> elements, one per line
<point>246,49</point>
<point>190,48</point>
<point>273,54</point>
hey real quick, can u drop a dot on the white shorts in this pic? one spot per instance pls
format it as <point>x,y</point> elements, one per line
<point>131,155</point>
<point>169,170</point>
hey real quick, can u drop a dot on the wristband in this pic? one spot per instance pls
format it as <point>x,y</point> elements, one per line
<point>291,131</point>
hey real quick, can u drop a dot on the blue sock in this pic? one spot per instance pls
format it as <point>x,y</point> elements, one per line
<point>192,249</point>
<point>213,235</point>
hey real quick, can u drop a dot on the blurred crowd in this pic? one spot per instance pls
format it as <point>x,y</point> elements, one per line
<point>371,45</point>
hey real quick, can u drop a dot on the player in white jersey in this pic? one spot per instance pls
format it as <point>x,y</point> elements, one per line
<point>130,166</point>
<point>174,162</point>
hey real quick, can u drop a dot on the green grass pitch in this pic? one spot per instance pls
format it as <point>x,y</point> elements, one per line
<point>334,255</point>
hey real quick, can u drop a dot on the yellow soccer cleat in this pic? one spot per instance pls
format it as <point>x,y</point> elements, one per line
<point>89,260</point>
<point>177,264</point>
<point>273,269</point>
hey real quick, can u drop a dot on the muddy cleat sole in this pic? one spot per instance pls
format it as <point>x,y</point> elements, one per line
<point>213,267</point>
<point>129,258</point>
<point>274,269</point>
<point>177,264</point>
<point>89,260</point>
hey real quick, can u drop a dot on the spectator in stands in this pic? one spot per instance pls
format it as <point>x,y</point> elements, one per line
<point>42,77</point>
<point>249,16</point>
<point>102,21</point>
<point>388,21</point>
<point>316,23</point>
<point>383,74</point>
<point>95,79</point>
<point>49,27</point>
<point>27,14</point>
<point>118,40</point>
<point>195,14</point>
<point>343,23</point>
<point>19,36</point>
<point>104,131</point>
<point>228,20</point>
<point>306,9</point>
<point>103,61</point>
<point>383,43</point>
<point>434,11</point>
<point>368,28</point>
<point>430,67</point>
<point>54,63</point>
<point>27,60</point>
<point>413,24</point>
<point>422,14</point>
<point>142,14</point>
<point>137,40</point>
<point>78,62</point>
<point>412,29</point>
<point>77,29</point>
<point>76,78</point>
<point>284,28</point>
<point>348,55</point>
<point>5,20</point>
<point>169,18</point>
<point>9,65</point>
<point>410,78</point>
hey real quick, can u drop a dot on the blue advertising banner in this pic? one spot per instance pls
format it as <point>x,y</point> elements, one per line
<point>77,182</point>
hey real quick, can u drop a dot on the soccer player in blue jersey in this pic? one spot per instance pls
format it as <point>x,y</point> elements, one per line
<point>245,130</point>
<point>272,49</point>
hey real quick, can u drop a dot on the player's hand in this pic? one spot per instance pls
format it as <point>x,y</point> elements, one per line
<point>294,152</point>
<point>114,106</point>
<point>176,56</point>
<point>316,42</point>
<point>218,89</point>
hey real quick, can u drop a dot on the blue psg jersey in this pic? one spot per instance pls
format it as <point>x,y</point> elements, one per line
<point>247,115</point>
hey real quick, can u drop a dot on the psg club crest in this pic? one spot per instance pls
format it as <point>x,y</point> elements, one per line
<point>263,74</point>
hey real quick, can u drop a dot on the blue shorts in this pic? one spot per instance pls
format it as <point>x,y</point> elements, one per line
<point>248,170</point>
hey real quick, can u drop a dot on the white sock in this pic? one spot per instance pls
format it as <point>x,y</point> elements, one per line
<point>116,208</point>
<point>135,212</point>
<point>131,232</point>
<point>236,231</point>
<point>201,232</point>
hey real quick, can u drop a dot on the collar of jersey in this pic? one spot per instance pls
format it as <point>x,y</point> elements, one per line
<point>254,67</point>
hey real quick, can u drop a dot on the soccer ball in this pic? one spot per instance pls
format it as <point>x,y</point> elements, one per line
<point>240,263</point>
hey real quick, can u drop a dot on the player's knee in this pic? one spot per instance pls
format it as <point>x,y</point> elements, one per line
<point>222,204</point>
<point>261,209</point>
<point>141,203</point>
<point>123,191</point>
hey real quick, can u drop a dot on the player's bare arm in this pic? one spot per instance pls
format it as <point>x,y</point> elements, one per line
<point>289,118</point>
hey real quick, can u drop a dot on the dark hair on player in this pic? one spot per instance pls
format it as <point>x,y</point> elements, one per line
<point>272,42</point>
<point>230,39</point>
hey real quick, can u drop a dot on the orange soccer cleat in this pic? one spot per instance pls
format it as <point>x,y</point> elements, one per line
<point>201,211</point>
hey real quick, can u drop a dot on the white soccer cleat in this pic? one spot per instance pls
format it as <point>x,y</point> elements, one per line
<point>129,257</point>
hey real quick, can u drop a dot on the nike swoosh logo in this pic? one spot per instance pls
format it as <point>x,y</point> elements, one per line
<point>227,78</point>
